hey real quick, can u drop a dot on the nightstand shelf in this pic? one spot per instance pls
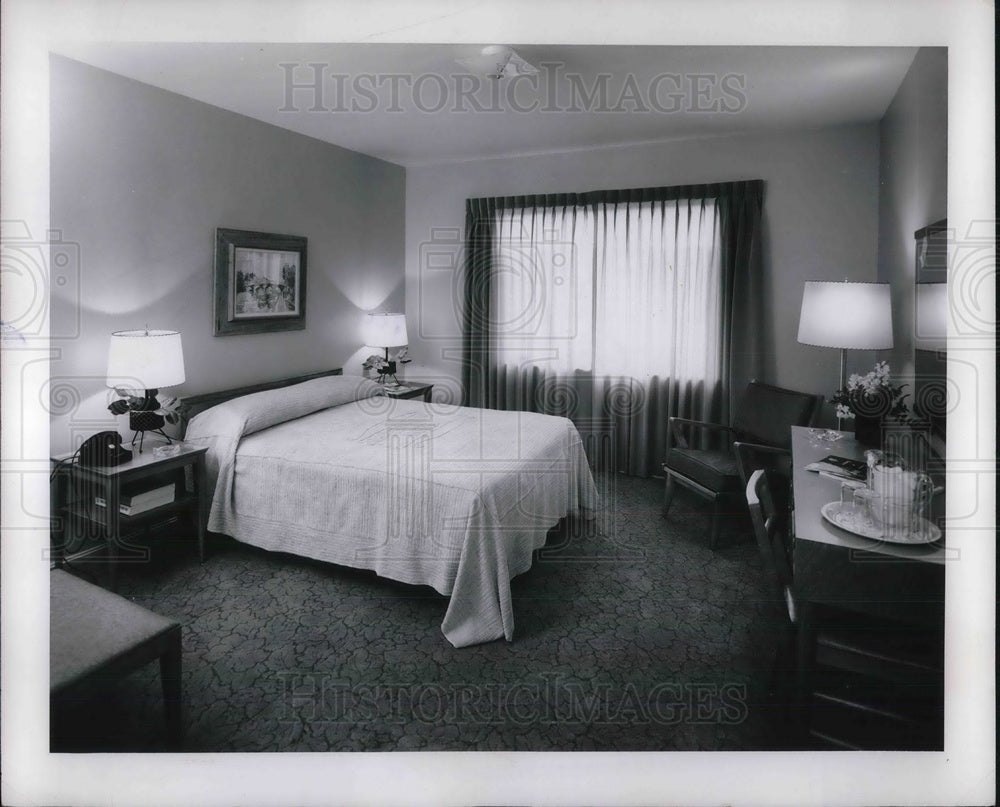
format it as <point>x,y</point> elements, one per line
<point>82,486</point>
<point>96,515</point>
<point>404,391</point>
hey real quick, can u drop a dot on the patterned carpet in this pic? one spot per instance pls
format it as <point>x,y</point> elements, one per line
<point>630,635</point>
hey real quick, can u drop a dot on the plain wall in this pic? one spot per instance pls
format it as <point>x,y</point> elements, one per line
<point>140,180</point>
<point>820,222</point>
<point>913,173</point>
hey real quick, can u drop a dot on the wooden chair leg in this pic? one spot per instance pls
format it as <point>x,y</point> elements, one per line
<point>112,565</point>
<point>782,688</point>
<point>804,646</point>
<point>668,495</point>
<point>716,524</point>
<point>170,675</point>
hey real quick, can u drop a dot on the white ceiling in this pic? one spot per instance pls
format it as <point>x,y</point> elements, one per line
<point>686,91</point>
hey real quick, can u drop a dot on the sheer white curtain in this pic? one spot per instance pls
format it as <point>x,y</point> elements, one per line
<point>543,288</point>
<point>609,312</point>
<point>659,291</point>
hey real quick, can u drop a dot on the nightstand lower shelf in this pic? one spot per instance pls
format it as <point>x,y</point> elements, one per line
<point>84,486</point>
<point>185,505</point>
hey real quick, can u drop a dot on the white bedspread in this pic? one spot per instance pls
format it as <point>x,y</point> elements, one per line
<point>451,497</point>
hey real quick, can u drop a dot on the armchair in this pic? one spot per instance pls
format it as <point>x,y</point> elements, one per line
<point>765,417</point>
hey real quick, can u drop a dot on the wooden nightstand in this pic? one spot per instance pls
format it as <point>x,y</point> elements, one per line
<point>83,486</point>
<point>410,391</point>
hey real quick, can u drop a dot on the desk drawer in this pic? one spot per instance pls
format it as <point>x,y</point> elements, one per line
<point>909,591</point>
<point>900,656</point>
<point>851,712</point>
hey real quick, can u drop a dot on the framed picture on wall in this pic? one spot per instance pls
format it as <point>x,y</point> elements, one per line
<point>260,282</point>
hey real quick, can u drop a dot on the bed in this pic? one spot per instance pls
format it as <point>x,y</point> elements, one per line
<point>452,497</point>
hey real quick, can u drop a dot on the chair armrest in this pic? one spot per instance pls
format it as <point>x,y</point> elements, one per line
<point>676,423</point>
<point>746,451</point>
<point>760,448</point>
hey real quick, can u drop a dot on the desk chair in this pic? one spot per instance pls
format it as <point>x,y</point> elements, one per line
<point>765,417</point>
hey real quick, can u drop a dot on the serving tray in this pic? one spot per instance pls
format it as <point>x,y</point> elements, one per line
<point>851,519</point>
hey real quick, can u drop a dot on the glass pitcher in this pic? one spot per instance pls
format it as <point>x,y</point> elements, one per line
<point>898,498</point>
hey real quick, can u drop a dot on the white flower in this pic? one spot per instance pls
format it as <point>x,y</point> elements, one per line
<point>844,413</point>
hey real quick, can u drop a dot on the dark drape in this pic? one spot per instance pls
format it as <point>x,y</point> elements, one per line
<point>741,205</point>
<point>479,226</point>
<point>604,405</point>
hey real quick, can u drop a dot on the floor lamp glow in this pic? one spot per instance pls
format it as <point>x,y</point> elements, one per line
<point>848,316</point>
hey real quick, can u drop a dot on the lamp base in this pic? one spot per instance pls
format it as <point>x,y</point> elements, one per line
<point>868,431</point>
<point>388,371</point>
<point>141,434</point>
<point>141,421</point>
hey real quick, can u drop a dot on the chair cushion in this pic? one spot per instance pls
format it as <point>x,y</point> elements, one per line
<point>715,470</point>
<point>90,627</point>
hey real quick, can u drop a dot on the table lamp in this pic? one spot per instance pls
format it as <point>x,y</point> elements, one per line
<point>848,316</point>
<point>146,360</point>
<point>385,331</point>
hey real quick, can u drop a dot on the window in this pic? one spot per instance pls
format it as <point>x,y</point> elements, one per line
<point>618,309</point>
<point>628,290</point>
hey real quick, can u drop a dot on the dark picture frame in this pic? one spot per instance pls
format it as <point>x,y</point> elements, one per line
<point>260,282</point>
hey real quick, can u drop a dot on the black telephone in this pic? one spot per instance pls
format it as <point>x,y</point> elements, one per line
<point>104,449</point>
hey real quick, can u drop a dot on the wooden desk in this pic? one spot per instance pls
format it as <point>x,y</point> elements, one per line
<point>834,567</point>
<point>870,649</point>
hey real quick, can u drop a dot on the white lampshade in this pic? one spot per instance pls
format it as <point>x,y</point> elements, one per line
<point>931,327</point>
<point>145,359</point>
<point>386,330</point>
<point>846,315</point>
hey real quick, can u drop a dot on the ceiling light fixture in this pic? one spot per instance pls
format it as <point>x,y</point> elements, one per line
<point>498,61</point>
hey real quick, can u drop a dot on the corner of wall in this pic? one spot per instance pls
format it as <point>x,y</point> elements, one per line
<point>913,164</point>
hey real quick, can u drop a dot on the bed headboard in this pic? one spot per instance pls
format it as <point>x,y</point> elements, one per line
<point>194,404</point>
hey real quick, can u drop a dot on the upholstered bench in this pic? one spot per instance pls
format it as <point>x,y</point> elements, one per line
<point>96,637</point>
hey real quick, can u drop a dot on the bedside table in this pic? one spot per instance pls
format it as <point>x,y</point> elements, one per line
<point>85,485</point>
<point>410,391</point>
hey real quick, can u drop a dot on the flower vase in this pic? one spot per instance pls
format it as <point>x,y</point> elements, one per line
<point>868,430</point>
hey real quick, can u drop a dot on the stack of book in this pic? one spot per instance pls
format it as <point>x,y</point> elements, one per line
<point>133,503</point>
